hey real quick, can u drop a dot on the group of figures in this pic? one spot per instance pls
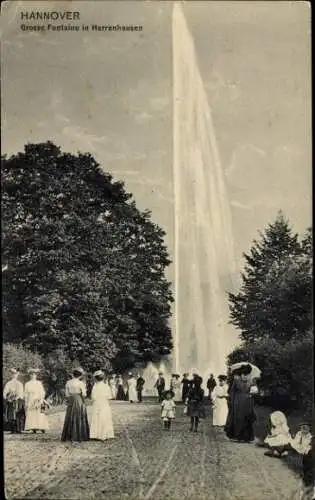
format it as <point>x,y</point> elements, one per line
<point>130,389</point>
<point>25,407</point>
<point>193,397</point>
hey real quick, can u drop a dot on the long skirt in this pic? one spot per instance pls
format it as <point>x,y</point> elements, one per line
<point>220,412</point>
<point>14,415</point>
<point>240,420</point>
<point>120,393</point>
<point>76,425</point>
<point>36,420</point>
<point>101,425</point>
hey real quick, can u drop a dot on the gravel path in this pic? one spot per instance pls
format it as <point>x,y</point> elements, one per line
<point>143,462</point>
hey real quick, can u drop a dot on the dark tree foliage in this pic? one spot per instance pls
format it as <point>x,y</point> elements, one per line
<point>275,299</point>
<point>85,268</point>
<point>273,311</point>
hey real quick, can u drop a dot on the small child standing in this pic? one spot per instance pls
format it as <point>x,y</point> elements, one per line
<point>279,438</point>
<point>168,409</point>
<point>302,443</point>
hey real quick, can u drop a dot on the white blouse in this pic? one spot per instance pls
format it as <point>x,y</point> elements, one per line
<point>75,386</point>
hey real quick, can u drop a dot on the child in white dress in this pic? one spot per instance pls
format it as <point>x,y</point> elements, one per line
<point>279,438</point>
<point>219,398</point>
<point>101,426</point>
<point>168,409</point>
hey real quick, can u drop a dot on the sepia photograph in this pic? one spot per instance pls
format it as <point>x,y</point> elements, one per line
<point>157,250</point>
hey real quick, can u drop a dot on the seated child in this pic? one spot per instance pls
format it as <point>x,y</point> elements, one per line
<point>302,443</point>
<point>168,409</point>
<point>279,438</point>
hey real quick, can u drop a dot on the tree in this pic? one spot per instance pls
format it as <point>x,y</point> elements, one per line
<point>85,268</point>
<point>273,310</point>
<point>275,296</point>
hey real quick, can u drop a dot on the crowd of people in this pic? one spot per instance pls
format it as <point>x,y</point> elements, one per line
<point>232,400</point>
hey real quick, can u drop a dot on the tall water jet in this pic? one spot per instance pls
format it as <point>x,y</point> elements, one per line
<point>204,257</point>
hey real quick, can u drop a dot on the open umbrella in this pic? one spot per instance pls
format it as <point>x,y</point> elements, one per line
<point>255,371</point>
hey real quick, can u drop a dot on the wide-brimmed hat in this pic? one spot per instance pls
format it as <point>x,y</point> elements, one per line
<point>130,374</point>
<point>98,373</point>
<point>13,371</point>
<point>78,369</point>
<point>33,370</point>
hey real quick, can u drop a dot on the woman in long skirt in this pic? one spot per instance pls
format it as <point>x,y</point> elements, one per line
<point>76,426</point>
<point>101,426</point>
<point>241,416</point>
<point>132,388</point>
<point>34,396</point>
<point>219,397</point>
<point>120,389</point>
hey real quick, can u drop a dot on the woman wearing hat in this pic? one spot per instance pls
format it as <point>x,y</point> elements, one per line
<point>132,388</point>
<point>34,393</point>
<point>219,397</point>
<point>241,416</point>
<point>101,425</point>
<point>76,426</point>
<point>13,394</point>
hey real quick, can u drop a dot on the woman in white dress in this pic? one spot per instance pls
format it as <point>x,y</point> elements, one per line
<point>113,386</point>
<point>34,395</point>
<point>132,388</point>
<point>175,387</point>
<point>101,425</point>
<point>219,397</point>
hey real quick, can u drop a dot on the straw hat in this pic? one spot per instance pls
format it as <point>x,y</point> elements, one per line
<point>33,370</point>
<point>78,370</point>
<point>13,371</point>
<point>98,373</point>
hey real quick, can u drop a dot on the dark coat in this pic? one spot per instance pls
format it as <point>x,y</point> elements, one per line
<point>241,416</point>
<point>196,406</point>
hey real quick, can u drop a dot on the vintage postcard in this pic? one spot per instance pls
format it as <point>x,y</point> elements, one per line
<point>157,250</point>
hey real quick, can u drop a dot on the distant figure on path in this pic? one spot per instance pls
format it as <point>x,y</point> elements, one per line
<point>101,425</point>
<point>113,386</point>
<point>34,394</point>
<point>140,386</point>
<point>120,395</point>
<point>168,409</point>
<point>219,398</point>
<point>160,386</point>
<point>76,426</point>
<point>186,383</point>
<point>132,388</point>
<point>241,417</point>
<point>195,403</point>
<point>211,384</point>
<point>13,395</point>
<point>176,387</point>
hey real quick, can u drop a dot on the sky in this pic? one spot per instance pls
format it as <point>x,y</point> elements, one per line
<point>110,93</point>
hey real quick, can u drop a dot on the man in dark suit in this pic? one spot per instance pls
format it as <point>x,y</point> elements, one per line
<point>160,386</point>
<point>186,383</point>
<point>140,385</point>
<point>211,384</point>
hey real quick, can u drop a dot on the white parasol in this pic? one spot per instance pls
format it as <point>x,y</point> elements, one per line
<point>255,371</point>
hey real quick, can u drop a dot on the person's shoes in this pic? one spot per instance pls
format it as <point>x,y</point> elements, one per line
<point>191,429</point>
<point>195,430</point>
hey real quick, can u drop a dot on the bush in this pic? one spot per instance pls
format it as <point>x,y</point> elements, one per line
<point>22,359</point>
<point>287,373</point>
